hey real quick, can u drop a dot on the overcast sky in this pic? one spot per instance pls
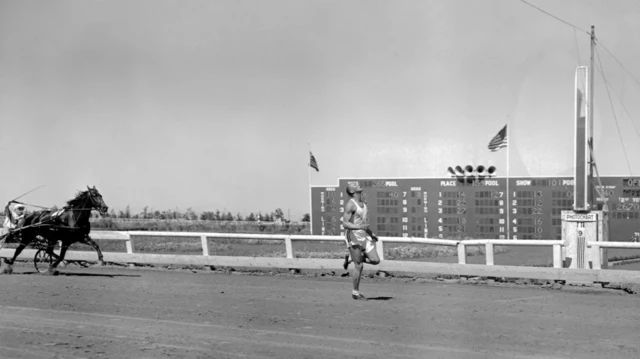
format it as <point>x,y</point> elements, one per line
<point>213,104</point>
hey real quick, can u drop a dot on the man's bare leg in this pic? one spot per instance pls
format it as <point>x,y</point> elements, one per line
<point>358,266</point>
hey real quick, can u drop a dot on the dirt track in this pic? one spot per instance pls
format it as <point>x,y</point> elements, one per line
<point>123,313</point>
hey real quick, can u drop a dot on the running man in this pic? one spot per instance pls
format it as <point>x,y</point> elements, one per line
<point>360,239</point>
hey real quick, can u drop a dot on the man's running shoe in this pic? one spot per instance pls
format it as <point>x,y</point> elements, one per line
<point>345,265</point>
<point>358,296</point>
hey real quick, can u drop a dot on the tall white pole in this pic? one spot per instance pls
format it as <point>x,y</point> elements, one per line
<point>592,70</point>
<point>508,197</point>
<point>310,206</point>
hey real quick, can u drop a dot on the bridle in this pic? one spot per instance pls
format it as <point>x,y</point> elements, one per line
<point>94,205</point>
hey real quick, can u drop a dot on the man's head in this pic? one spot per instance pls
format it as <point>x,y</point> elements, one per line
<point>353,188</point>
<point>20,208</point>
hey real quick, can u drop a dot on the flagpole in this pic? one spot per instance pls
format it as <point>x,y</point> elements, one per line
<point>309,172</point>
<point>508,200</point>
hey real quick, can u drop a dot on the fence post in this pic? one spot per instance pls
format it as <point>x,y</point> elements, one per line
<point>595,257</point>
<point>205,246</point>
<point>129,245</point>
<point>462,253</point>
<point>557,256</point>
<point>380,249</point>
<point>287,243</point>
<point>488,252</point>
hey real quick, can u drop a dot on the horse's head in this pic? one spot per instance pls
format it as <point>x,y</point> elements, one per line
<point>96,200</point>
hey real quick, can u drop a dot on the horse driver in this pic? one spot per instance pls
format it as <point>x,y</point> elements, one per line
<point>13,219</point>
<point>360,239</point>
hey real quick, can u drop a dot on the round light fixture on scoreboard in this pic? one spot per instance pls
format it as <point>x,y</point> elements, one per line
<point>485,172</point>
<point>469,170</point>
<point>470,174</point>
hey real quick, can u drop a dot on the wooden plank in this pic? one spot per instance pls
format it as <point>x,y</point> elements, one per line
<point>557,256</point>
<point>410,240</point>
<point>212,235</point>
<point>595,257</point>
<point>511,242</point>
<point>110,235</point>
<point>289,247</point>
<point>205,245</point>
<point>635,245</point>
<point>462,254</point>
<point>488,250</point>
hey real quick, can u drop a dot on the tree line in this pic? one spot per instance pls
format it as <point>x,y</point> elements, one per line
<point>189,214</point>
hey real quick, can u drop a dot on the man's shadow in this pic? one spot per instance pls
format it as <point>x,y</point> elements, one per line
<point>97,275</point>
<point>70,274</point>
<point>379,298</point>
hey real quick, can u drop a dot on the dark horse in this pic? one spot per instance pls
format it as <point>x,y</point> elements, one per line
<point>69,225</point>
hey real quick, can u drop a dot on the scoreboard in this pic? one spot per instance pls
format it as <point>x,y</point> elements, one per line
<point>472,208</point>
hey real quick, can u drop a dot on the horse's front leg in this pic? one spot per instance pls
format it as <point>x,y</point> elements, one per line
<point>63,251</point>
<point>95,246</point>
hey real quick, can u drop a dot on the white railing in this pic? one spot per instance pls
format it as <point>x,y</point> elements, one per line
<point>489,243</point>
<point>595,248</point>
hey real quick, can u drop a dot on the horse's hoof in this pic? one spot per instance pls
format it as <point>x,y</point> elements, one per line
<point>63,264</point>
<point>102,263</point>
<point>7,270</point>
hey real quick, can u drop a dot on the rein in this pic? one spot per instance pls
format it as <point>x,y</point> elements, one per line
<point>33,205</point>
<point>51,208</point>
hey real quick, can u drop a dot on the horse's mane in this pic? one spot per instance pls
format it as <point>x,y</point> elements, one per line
<point>77,199</point>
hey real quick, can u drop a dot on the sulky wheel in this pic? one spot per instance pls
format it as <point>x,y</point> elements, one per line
<point>42,260</point>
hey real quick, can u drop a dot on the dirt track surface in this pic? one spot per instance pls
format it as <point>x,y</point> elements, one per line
<point>133,313</point>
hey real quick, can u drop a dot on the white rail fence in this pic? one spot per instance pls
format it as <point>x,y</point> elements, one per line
<point>289,239</point>
<point>290,262</point>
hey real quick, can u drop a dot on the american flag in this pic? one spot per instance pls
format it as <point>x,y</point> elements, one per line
<point>499,141</point>
<point>312,162</point>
